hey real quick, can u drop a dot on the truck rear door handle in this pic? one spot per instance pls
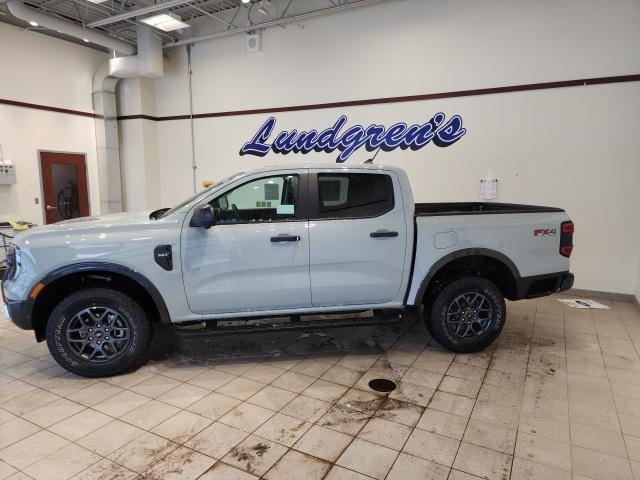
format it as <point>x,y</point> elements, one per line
<point>383,234</point>
<point>286,238</point>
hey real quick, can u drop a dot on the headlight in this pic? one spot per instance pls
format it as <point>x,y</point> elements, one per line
<point>14,262</point>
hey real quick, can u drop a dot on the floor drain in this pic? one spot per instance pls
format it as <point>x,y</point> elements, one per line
<point>382,385</point>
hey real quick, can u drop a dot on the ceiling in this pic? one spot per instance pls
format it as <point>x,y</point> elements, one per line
<point>206,17</point>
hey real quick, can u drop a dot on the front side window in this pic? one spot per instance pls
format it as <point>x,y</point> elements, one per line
<point>203,193</point>
<point>266,199</point>
<point>354,195</point>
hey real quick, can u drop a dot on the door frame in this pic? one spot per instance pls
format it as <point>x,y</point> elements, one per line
<point>398,205</point>
<point>301,218</point>
<point>43,202</point>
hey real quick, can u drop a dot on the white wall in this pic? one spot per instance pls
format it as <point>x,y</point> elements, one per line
<point>573,147</point>
<point>47,71</point>
<point>541,145</point>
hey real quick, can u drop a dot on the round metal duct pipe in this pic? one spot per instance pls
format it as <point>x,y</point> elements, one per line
<point>28,14</point>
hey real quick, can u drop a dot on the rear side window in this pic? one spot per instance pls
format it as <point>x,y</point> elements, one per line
<point>354,195</point>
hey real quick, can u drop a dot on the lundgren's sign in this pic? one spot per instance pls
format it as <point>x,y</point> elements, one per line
<point>399,135</point>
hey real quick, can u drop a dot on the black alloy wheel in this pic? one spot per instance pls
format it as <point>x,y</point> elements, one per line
<point>98,332</point>
<point>466,315</point>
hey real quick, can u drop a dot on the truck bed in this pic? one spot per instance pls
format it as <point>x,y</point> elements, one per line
<point>477,208</point>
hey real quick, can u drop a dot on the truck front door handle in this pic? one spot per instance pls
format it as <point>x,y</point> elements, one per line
<point>383,234</point>
<point>285,238</point>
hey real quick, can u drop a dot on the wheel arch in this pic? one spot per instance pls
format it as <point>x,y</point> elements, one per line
<point>64,280</point>
<point>491,264</point>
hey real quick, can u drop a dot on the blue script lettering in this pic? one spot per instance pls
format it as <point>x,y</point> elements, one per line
<point>398,135</point>
<point>450,132</point>
<point>257,146</point>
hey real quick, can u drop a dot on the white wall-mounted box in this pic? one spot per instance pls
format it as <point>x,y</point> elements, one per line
<point>7,174</point>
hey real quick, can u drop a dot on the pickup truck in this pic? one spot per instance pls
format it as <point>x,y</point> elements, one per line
<point>286,241</point>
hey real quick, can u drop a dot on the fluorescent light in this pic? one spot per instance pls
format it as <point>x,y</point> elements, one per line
<point>246,1</point>
<point>86,40</point>
<point>166,22</point>
<point>33,24</point>
<point>97,1</point>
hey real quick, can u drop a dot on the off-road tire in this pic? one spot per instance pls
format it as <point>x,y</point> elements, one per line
<point>438,307</point>
<point>128,309</point>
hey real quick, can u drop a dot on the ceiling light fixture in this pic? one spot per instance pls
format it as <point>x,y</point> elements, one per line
<point>166,22</point>
<point>97,1</point>
<point>86,40</point>
<point>33,24</point>
<point>246,1</point>
<point>263,6</point>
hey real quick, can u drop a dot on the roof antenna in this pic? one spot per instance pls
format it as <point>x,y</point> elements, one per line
<point>370,160</point>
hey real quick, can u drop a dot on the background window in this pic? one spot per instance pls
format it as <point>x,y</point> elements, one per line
<point>354,194</point>
<point>266,199</point>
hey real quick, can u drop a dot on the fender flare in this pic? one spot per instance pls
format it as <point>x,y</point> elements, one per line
<point>466,252</point>
<point>88,267</point>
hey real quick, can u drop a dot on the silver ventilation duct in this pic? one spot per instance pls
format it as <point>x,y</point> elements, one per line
<point>19,10</point>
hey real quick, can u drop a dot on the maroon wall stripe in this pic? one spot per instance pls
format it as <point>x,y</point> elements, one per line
<point>140,117</point>
<point>415,98</point>
<point>47,108</point>
<point>350,103</point>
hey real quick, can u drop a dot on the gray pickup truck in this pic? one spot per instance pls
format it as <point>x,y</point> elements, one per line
<point>286,241</point>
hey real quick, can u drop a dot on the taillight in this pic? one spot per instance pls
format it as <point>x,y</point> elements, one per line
<point>566,238</point>
<point>566,250</point>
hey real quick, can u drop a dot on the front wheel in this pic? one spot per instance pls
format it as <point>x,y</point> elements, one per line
<point>467,315</point>
<point>98,332</point>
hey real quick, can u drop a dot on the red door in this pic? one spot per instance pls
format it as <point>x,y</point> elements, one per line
<point>64,185</point>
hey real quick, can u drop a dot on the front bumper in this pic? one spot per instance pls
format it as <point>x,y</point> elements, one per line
<point>17,312</point>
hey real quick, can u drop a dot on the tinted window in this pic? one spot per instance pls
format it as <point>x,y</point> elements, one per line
<point>354,195</point>
<point>266,199</point>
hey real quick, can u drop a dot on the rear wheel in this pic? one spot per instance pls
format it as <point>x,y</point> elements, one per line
<point>467,315</point>
<point>98,332</point>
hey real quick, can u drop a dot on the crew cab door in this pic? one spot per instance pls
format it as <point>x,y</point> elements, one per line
<point>256,256</point>
<point>358,237</point>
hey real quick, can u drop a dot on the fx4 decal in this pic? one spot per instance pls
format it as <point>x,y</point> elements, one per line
<point>544,232</point>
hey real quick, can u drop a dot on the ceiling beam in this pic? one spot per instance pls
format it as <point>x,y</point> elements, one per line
<point>272,23</point>
<point>137,12</point>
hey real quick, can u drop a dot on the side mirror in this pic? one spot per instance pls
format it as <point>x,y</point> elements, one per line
<point>203,216</point>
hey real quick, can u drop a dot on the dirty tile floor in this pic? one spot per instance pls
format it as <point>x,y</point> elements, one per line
<point>557,397</point>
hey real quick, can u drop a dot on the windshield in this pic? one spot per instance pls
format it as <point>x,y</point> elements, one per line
<point>200,194</point>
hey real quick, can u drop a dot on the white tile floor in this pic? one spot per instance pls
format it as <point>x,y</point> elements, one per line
<point>557,397</point>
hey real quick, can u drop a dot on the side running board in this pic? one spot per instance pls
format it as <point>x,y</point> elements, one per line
<point>230,327</point>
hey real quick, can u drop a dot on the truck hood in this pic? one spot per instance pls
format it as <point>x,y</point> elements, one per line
<point>99,225</point>
<point>113,219</point>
